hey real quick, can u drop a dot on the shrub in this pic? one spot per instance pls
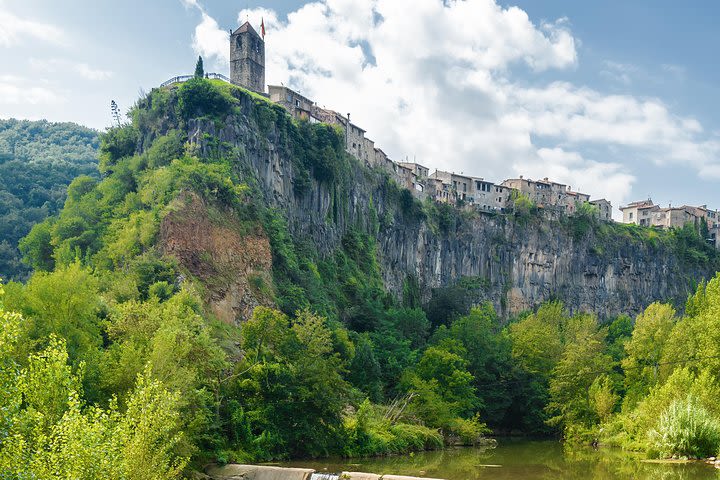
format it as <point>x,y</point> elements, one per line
<point>686,429</point>
<point>198,97</point>
<point>523,206</point>
<point>116,143</point>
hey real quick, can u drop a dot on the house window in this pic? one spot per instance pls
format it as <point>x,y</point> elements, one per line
<point>631,215</point>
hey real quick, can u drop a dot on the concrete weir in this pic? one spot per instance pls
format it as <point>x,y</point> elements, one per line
<point>266,472</point>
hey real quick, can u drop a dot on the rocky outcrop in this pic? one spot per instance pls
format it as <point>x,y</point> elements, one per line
<point>258,472</point>
<point>234,264</point>
<point>518,264</point>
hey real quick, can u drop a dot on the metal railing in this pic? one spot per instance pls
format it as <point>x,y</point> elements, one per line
<point>185,78</point>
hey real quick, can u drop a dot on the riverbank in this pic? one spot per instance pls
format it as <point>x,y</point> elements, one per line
<point>516,459</point>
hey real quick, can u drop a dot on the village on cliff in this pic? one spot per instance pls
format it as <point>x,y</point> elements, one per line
<point>247,70</point>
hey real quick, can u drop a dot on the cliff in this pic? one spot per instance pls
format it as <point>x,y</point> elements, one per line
<point>515,261</point>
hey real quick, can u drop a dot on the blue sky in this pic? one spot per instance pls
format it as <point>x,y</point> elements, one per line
<point>616,98</point>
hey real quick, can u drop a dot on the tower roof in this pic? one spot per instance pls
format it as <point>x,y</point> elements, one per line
<point>245,28</point>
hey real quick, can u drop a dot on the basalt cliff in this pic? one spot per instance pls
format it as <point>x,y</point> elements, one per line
<point>515,260</point>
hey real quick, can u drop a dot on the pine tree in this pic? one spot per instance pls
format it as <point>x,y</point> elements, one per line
<point>199,70</point>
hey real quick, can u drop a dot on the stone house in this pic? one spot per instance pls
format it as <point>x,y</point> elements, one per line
<point>298,105</point>
<point>483,194</point>
<point>570,201</point>
<point>548,194</point>
<point>544,193</point>
<point>440,191</point>
<point>604,209</point>
<point>419,170</point>
<point>639,213</point>
<point>461,184</point>
<point>672,217</point>
<point>502,196</point>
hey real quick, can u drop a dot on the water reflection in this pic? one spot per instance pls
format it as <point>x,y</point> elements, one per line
<point>516,459</point>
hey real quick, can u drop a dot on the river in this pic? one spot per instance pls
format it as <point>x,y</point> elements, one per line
<point>519,459</point>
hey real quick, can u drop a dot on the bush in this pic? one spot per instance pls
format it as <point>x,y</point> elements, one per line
<point>198,97</point>
<point>523,206</point>
<point>685,429</point>
<point>369,433</point>
<point>116,143</point>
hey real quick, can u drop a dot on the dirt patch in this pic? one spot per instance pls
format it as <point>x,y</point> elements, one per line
<point>232,259</point>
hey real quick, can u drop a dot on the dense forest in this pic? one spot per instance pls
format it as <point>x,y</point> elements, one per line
<point>38,160</point>
<point>112,365</point>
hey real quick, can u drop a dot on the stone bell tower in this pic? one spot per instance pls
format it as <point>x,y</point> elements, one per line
<point>247,58</point>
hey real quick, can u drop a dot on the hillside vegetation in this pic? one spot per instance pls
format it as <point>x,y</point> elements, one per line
<point>38,160</point>
<point>112,364</point>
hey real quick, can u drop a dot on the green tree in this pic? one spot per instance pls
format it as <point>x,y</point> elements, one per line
<point>537,343</point>
<point>488,353</point>
<point>199,70</point>
<point>645,350</point>
<point>37,162</point>
<point>441,386</point>
<point>602,397</point>
<point>47,431</point>
<point>291,384</point>
<point>583,360</point>
<point>65,303</point>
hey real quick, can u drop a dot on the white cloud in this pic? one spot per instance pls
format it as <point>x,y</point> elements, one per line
<point>210,41</point>
<point>619,72</point>
<point>16,90</point>
<point>438,81</point>
<point>13,29</point>
<point>91,73</point>
<point>52,65</point>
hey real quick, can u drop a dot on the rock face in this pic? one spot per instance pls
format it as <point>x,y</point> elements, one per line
<point>520,264</point>
<point>233,264</point>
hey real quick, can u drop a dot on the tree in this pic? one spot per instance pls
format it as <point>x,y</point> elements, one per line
<point>48,431</point>
<point>583,359</point>
<point>602,397</point>
<point>290,385</point>
<point>441,386</point>
<point>65,303</point>
<point>537,340</point>
<point>199,70</point>
<point>488,353</point>
<point>645,349</point>
<point>37,162</point>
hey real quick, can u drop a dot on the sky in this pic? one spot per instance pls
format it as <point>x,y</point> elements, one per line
<point>616,98</point>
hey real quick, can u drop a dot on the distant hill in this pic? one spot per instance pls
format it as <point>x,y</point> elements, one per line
<point>38,159</point>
